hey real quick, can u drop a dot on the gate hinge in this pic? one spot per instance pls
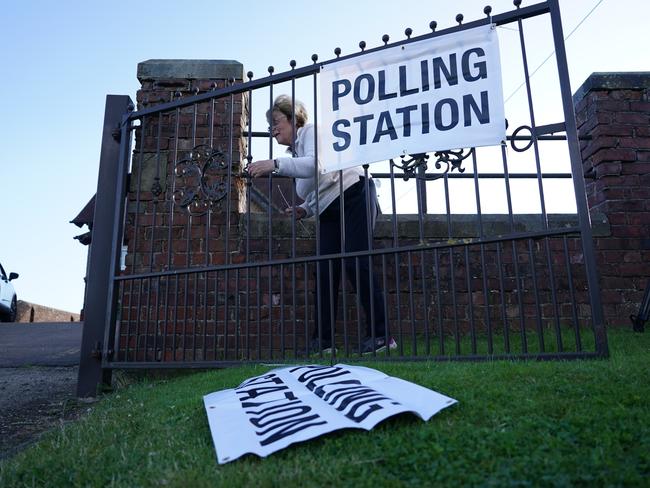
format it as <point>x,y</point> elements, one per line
<point>117,133</point>
<point>96,352</point>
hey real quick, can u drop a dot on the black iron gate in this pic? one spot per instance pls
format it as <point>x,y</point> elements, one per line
<point>214,275</point>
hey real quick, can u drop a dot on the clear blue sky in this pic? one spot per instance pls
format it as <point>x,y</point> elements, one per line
<point>61,58</point>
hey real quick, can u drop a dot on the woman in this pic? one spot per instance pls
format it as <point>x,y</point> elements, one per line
<point>302,167</point>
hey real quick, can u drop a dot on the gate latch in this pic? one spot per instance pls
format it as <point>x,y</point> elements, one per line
<point>96,352</point>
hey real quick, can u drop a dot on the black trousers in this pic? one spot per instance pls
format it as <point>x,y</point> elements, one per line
<point>357,207</point>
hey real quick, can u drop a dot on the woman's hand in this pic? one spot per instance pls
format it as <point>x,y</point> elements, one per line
<point>260,168</point>
<point>297,212</point>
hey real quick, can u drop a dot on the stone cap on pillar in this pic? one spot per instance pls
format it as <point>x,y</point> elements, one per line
<point>622,80</point>
<point>189,69</point>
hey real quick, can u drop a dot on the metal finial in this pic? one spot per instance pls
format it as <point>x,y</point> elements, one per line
<point>270,69</point>
<point>362,45</point>
<point>517,3</point>
<point>177,94</point>
<point>214,85</point>
<point>432,25</point>
<point>385,38</point>
<point>487,10</point>
<point>314,58</point>
<point>130,107</point>
<point>292,63</point>
<point>459,19</point>
<point>249,75</point>
<point>408,32</point>
<point>196,90</point>
<point>337,51</point>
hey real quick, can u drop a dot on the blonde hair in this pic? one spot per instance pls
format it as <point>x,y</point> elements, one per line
<point>286,106</point>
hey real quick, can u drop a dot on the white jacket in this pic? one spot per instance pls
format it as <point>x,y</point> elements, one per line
<point>302,168</point>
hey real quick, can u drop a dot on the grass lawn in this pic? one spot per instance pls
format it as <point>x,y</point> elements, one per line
<point>584,423</point>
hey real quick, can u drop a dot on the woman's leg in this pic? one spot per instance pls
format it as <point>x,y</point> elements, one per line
<point>356,239</point>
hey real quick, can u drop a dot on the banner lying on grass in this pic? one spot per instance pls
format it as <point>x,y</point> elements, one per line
<point>432,95</point>
<point>269,412</point>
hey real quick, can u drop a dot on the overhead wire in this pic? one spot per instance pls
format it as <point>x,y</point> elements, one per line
<point>553,52</point>
<point>584,18</point>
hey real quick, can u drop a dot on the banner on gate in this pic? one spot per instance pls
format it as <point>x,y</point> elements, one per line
<point>287,405</point>
<point>431,95</point>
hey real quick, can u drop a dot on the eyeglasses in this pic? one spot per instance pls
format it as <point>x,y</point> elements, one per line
<point>277,121</point>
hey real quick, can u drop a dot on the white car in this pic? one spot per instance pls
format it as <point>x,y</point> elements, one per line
<point>8,301</point>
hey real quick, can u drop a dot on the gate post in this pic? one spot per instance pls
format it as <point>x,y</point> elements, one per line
<point>103,262</point>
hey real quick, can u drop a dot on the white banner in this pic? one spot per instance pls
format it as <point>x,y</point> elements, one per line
<point>269,412</point>
<point>432,95</point>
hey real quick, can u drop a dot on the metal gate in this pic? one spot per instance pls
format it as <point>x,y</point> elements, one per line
<point>214,275</point>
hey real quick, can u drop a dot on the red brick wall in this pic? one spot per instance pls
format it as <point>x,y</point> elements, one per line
<point>613,116</point>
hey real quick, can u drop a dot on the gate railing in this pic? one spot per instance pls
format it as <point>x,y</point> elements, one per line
<point>215,277</point>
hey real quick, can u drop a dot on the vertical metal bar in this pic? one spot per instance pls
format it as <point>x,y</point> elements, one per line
<point>556,309</point>
<point>270,230</point>
<point>317,215</point>
<point>421,183</point>
<point>420,191</point>
<point>195,314</point>
<point>358,282</point>
<point>398,304</point>
<point>520,299</point>
<point>441,332</point>
<point>414,342</point>
<point>502,294</point>
<point>282,331</point>
<point>157,323</point>
<point>135,235</point>
<point>385,288</point>
<point>470,301</point>
<point>174,344</point>
<point>330,270</point>
<point>170,240</point>
<point>506,177</point>
<point>216,318</point>
<point>452,277</point>
<point>343,261</point>
<point>574,312</point>
<point>515,259</point>
<point>258,299</point>
<point>155,203</point>
<point>479,214</point>
<point>104,257</point>
<point>371,273</point>
<point>452,267</point>
<point>532,124</point>
<point>135,240</point>
<point>306,324</point>
<point>538,311</point>
<point>236,324</point>
<point>249,183</point>
<point>579,183</point>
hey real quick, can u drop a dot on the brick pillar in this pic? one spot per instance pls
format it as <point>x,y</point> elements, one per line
<point>162,233</point>
<point>613,116</point>
<point>168,138</point>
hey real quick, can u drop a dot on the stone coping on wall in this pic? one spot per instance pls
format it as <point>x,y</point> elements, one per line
<point>633,80</point>
<point>189,69</point>
<point>436,225</point>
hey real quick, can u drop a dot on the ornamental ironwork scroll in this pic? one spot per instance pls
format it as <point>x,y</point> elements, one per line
<point>200,180</point>
<point>416,165</point>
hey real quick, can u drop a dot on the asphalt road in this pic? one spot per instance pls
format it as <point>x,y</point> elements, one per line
<point>40,344</point>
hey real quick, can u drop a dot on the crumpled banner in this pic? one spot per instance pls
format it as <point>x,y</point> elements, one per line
<point>292,404</point>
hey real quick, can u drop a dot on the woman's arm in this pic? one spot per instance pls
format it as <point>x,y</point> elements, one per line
<point>301,166</point>
<point>298,167</point>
